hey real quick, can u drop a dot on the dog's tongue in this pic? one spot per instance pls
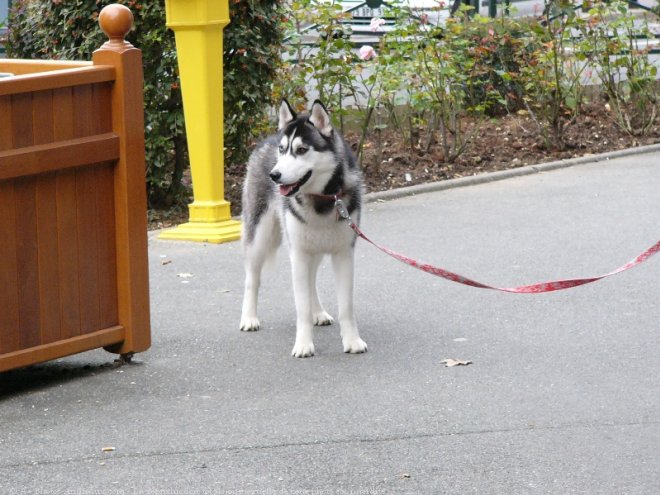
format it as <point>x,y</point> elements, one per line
<point>285,189</point>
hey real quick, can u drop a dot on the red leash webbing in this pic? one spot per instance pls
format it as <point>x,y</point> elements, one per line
<point>525,289</point>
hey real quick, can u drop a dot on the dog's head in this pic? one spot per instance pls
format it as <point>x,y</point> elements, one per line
<point>306,158</point>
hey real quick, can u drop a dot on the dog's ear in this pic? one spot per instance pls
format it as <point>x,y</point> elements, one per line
<point>286,115</point>
<point>320,118</point>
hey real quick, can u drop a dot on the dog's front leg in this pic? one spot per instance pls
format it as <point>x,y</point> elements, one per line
<point>320,316</point>
<point>343,265</point>
<point>304,272</point>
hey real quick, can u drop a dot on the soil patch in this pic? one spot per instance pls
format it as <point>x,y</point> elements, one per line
<point>390,161</point>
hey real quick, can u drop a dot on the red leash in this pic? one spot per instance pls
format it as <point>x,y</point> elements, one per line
<point>525,289</point>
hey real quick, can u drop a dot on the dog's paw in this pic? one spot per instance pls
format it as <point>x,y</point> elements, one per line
<point>322,319</point>
<point>249,324</point>
<point>302,350</point>
<point>355,346</point>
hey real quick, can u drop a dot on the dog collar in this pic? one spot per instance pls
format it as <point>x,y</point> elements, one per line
<point>328,197</point>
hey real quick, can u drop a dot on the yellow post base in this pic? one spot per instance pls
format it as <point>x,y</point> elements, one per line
<point>210,221</point>
<point>213,232</point>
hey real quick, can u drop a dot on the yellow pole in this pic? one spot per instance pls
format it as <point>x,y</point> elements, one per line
<point>197,26</point>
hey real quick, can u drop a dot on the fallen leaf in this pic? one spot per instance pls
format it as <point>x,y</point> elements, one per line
<point>455,362</point>
<point>166,262</point>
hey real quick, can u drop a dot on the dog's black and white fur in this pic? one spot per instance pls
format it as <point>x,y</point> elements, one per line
<point>291,179</point>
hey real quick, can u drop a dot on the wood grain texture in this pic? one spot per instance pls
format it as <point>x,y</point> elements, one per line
<point>61,348</point>
<point>107,248</point>
<point>60,155</point>
<point>9,326</point>
<point>72,208</point>
<point>130,197</point>
<point>86,214</point>
<point>27,255</point>
<point>5,123</point>
<point>66,78</point>
<point>67,245</point>
<point>22,67</point>
<point>46,223</point>
<point>48,255</point>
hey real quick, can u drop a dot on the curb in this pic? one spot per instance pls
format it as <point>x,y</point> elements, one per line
<point>484,178</point>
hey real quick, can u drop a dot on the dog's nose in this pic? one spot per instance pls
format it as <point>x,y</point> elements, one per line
<point>275,176</point>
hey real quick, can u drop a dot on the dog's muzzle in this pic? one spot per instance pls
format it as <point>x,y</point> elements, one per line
<point>289,189</point>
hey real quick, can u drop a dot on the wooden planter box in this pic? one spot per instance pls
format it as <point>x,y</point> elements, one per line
<point>73,252</point>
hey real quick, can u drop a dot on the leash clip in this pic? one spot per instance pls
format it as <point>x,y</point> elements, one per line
<point>342,211</point>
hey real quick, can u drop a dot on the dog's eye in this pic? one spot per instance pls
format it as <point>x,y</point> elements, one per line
<point>282,148</point>
<point>301,151</point>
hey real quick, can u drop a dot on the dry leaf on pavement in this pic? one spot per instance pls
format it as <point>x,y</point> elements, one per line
<point>455,362</point>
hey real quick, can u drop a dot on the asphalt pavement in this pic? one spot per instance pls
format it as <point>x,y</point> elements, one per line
<point>562,395</point>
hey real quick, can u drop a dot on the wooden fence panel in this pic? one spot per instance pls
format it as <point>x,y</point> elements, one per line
<point>67,231</point>
<point>87,245</point>
<point>107,248</point>
<point>48,262</point>
<point>9,336</point>
<point>27,255</point>
<point>73,270</point>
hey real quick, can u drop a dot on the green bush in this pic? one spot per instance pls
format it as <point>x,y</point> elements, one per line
<point>623,64</point>
<point>68,29</point>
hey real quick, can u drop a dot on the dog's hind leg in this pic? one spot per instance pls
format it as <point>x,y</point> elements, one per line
<point>319,315</point>
<point>259,250</point>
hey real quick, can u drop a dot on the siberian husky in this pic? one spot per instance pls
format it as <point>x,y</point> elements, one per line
<point>293,179</point>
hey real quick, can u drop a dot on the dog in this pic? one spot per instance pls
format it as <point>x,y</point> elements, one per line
<point>293,180</point>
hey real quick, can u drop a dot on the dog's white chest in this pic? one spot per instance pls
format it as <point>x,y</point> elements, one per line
<point>318,234</point>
